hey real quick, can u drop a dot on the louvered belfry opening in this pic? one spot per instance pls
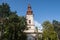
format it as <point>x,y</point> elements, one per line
<point>29,11</point>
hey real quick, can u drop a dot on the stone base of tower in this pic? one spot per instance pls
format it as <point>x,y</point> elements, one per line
<point>32,34</point>
<point>31,37</point>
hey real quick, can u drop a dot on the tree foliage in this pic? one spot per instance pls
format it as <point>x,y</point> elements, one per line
<point>56,25</point>
<point>48,31</point>
<point>13,25</point>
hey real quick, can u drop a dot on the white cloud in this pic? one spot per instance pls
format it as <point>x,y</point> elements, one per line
<point>37,24</point>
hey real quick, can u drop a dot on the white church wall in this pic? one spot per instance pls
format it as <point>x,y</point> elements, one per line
<point>30,17</point>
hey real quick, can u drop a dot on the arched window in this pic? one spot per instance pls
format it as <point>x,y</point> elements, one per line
<point>29,21</point>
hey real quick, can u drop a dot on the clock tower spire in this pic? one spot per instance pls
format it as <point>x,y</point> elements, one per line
<point>31,31</point>
<point>29,11</point>
<point>29,17</point>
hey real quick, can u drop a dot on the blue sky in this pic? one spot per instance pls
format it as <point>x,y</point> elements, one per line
<point>42,9</point>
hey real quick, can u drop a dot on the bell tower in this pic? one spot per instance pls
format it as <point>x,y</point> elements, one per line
<point>29,17</point>
<point>31,31</point>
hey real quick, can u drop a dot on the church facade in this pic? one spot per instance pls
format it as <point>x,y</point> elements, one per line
<point>31,31</point>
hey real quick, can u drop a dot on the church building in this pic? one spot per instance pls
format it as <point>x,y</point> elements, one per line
<point>31,31</point>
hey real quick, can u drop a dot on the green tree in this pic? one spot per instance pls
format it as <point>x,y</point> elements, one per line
<point>56,25</point>
<point>38,35</point>
<point>48,31</point>
<point>4,11</point>
<point>13,25</point>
